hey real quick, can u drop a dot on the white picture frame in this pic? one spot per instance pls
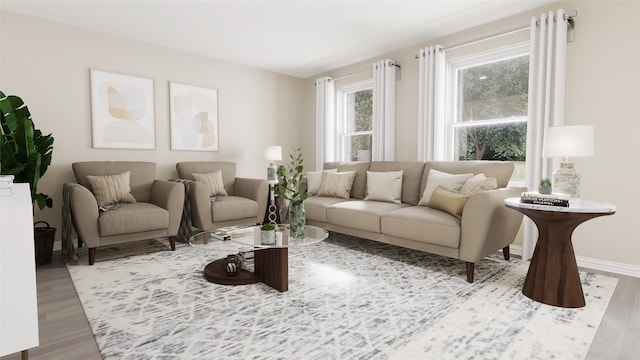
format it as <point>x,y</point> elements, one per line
<point>122,111</point>
<point>194,117</point>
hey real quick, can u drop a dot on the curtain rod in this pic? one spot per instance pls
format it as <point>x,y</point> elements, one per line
<point>568,17</point>
<point>357,73</point>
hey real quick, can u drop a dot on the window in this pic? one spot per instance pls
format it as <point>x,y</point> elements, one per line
<point>488,107</point>
<point>355,121</point>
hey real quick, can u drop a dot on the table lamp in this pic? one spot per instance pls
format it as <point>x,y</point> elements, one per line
<point>272,154</point>
<point>566,142</point>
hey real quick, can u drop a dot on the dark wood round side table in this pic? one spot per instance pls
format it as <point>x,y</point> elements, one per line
<point>553,277</point>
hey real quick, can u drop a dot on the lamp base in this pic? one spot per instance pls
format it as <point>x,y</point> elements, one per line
<point>566,180</point>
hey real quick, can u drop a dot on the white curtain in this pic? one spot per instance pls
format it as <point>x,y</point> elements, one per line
<point>384,95</point>
<point>431,104</point>
<point>325,124</point>
<point>547,62</point>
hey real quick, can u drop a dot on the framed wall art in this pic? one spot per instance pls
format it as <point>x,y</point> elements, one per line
<point>194,117</point>
<point>122,111</point>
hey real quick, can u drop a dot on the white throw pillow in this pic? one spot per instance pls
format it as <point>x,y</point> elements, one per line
<point>213,181</point>
<point>314,179</point>
<point>337,184</point>
<point>450,182</point>
<point>384,186</point>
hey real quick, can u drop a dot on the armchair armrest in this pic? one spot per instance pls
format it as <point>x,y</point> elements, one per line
<point>200,206</point>
<point>84,212</point>
<point>254,189</point>
<point>487,225</point>
<point>169,195</point>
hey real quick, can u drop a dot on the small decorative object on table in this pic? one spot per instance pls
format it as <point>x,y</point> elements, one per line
<point>232,265</point>
<point>545,186</point>
<point>544,199</point>
<point>292,188</point>
<point>268,234</point>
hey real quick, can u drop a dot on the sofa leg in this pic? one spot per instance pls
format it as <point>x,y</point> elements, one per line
<point>470,270</point>
<point>92,255</point>
<point>172,242</point>
<point>505,252</point>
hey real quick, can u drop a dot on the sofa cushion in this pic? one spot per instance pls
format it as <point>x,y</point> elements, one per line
<point>213,182</point>
<point>422,224</point>
<point>448,201</point>
<point>314,179</point>
<point>411,177</point>
<point>111,189</point>
<point>233,208</point>
<point>451,182</point>
<point>133,218</point>
<point>337,184</point>
<point>501,170</point>
<point>316,207</point>
<point>478,182</point>
<point>360,214</point>
<point>384,186</point>
<point>359,183</point>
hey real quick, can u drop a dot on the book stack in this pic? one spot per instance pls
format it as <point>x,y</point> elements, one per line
<point>6,184</point>
<point>545,199</point>
<point>220,235</point>
<point>247,261</point>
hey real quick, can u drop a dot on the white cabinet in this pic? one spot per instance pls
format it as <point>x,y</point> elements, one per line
<point>18,296</point>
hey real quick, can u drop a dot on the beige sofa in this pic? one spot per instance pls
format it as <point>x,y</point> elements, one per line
<point>485,225</point>
<point>153,212</point>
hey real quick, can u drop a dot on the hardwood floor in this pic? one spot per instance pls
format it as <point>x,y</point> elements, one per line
<point>65,333</point>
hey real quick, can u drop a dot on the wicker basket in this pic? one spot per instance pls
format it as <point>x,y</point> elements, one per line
<point>43,237</point>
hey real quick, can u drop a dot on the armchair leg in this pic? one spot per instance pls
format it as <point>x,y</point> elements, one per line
<point>172,242</point>
<point>92,255</point>
<point>505,252</point>
<point>470,270</point>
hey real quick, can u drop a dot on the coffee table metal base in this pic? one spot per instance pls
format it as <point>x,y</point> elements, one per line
<point>272,268</point>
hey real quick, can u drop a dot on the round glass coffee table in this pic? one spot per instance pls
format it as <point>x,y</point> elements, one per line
<point>271,261</point>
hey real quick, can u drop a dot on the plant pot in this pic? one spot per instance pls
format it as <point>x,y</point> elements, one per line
<point>267,237</point>
<point>297,220</point>
<point>43,237</point>
<point>544,189</point>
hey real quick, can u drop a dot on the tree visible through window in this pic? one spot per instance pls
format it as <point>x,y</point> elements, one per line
<point>491,110</point>
<point>357,122</point>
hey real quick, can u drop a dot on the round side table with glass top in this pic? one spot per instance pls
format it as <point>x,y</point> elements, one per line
<point>553,277</point>
<point>271,261</point>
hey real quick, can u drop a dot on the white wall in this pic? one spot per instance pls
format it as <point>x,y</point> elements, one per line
<point>47,65</point>
<point>602,89</point>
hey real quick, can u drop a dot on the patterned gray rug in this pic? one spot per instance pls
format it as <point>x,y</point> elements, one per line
<point>348,298</point>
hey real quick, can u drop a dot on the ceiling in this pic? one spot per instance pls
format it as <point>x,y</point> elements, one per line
<point>299,38</point>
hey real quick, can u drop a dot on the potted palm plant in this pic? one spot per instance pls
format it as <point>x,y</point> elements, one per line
<point>292,188</point>
<point>26,154</point>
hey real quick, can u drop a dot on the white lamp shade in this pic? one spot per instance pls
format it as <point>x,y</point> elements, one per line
<point>569,141</point>
<point>273,153</point>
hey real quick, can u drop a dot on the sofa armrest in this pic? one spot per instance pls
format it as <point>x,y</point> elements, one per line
<point>169,195</point>
<point>254,189</point>
<point>85,214</point>
<point>487,225</point>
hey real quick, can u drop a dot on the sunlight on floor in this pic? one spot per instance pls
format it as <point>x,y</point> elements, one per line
<point>330,275</point>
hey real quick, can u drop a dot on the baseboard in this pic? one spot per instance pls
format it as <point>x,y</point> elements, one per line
<point>595,264</point>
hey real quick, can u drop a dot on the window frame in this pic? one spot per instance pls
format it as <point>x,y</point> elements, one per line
<point>342,151</point>
<point>476,59</point>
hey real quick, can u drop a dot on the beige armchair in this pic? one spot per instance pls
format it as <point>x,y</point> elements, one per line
<point>152,210</point>
<point>244,204</point>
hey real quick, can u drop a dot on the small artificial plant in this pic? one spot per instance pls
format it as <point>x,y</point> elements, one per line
<point>24,152</point>
<point>267,227</point>
<point>545,182</point>
<point>291,186</point>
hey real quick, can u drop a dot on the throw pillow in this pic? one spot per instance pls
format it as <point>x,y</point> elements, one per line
<point>213,181</point>
<point>314,179</point>
<point>384,186</point>
<point>448,201</point>
<point>337,184</point>
<point>478,182</point>
<point>111,189</point>
<point>450,182</point>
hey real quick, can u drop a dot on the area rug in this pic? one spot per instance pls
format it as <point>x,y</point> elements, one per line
<point>348,298</point>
